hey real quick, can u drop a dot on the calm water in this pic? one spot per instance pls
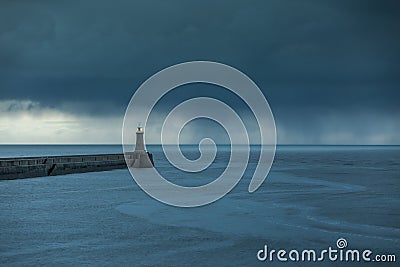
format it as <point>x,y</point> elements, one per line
<point>313,196</point>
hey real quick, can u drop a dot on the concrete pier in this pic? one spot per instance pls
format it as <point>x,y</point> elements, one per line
<point>29,167</point>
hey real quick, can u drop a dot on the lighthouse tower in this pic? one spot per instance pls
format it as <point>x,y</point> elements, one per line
<point>140,157</point>
<point>139,139</point>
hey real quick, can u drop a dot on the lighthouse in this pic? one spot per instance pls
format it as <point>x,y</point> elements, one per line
<point>139,139</point>
<point>140,157</point>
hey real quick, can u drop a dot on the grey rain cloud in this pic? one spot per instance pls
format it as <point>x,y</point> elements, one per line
<point>327,64</point>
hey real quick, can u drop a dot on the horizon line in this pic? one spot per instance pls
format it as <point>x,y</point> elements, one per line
<point>225,144</point>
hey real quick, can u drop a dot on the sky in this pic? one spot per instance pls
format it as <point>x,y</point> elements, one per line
<point>330,70</point>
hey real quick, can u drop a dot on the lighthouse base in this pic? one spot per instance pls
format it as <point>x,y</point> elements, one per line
<point>140,159</point>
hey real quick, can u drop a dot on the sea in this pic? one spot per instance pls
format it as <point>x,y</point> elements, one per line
<point>312,197</point>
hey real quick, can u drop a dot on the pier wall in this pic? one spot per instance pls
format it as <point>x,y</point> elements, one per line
<point>18,168</point>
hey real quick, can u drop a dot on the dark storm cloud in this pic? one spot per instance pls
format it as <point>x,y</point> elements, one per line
<point>308,57</point>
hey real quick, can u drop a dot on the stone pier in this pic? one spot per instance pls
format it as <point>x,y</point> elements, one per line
<point>29,167</point>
